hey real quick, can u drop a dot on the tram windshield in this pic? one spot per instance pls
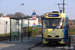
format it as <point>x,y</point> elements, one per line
<point>52,22</point>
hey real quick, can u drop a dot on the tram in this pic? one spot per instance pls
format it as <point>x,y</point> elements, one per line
<point>55,28</point>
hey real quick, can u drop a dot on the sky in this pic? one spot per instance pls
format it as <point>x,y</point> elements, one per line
<point>40,6</point>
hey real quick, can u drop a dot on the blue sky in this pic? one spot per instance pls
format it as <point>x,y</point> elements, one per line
<point>41,6</point>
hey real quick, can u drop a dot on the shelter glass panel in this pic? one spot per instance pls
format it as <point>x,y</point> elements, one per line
<point>18,28</point>
<point>25,27</point>
<point>14,28</point>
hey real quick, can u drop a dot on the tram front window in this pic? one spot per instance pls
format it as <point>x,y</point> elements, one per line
<point>52,22</point>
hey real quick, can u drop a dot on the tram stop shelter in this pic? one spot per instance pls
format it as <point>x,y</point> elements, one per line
<point>19,27</point>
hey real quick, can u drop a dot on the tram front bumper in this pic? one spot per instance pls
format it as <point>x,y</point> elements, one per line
<point>47,39</point>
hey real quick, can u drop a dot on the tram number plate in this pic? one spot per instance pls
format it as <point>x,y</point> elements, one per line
<point>52,33</point>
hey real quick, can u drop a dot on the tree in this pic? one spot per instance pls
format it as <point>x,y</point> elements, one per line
<point>70,23</point>
<point>10,15</point>
<point>1,14</point>
<point>41,16</point>
<point>37,16</point>
<point>28,16</point>
<point>19,14</point>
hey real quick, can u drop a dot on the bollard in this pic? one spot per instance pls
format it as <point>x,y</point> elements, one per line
<point>69,44</point>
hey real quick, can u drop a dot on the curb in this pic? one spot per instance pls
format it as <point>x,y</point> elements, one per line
<point>34,46</point>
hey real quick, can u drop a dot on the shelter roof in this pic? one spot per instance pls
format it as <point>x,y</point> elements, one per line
<point>18,18</point>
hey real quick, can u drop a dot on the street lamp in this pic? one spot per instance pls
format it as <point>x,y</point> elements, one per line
<point>22,23</point>
<point>22,8</point>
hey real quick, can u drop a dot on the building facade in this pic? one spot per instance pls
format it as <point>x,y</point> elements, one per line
<point>5,24</point>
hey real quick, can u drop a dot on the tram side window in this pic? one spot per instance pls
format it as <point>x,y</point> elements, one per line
<point>63,23</point>
<point>66,23</point>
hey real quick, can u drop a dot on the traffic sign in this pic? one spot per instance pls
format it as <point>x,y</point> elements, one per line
<point>34,24</point>
<point>34,15</point>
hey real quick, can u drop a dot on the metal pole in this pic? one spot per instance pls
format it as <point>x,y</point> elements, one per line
<point>69,42</point>
<point>21,32</point>
<point>63,6</point>
<point>6,27</point>
<point>28,28</point>
<point>22,24</point>
<point>18,29</point>
<point>22,8</point>
<point>34,30</point>
<point>10,30</point>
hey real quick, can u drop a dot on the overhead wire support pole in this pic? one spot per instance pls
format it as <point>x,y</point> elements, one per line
<point>63,6</point>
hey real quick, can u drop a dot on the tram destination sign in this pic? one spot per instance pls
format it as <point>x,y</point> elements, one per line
<point>53,15</point>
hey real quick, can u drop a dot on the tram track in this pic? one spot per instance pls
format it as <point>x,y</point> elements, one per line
<point>51,47</point>
<point>47,47</point>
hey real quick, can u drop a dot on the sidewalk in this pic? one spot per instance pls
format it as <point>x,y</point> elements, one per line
<point>18,45</point>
